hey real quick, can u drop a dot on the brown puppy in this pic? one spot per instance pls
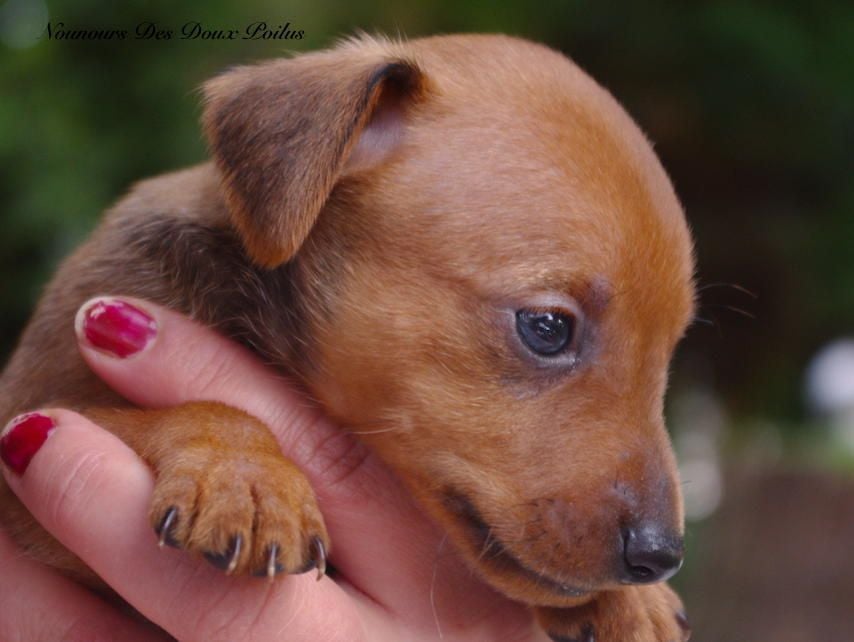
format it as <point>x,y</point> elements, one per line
<point>461,238</point>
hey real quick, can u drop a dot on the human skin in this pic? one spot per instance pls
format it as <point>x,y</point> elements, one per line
<point>397,578</point>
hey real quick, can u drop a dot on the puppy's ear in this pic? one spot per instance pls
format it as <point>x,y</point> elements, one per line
<point>282,133</point>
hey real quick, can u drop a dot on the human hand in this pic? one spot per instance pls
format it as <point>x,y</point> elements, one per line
<point>397,578</point>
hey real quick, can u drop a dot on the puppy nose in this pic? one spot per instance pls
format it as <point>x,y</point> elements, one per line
<point>651,554</point>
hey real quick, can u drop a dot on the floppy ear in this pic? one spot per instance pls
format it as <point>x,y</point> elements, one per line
<point>283,132</point>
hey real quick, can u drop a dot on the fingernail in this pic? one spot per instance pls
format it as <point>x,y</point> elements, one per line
<point>21,439</point>
<point>116,327</point>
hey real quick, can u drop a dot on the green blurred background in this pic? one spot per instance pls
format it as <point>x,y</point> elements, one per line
<point>751,109</point>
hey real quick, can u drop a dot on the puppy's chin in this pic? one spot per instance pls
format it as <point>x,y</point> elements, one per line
<point>498,564</point>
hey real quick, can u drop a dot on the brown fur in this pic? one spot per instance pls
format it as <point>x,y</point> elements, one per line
<point>388,203</point>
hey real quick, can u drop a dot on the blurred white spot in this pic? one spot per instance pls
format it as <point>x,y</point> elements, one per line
<point>830,387</point>
<point>698,422</point>
<point>702,487</point>
<point>22,22</point>
<point>830,378</point>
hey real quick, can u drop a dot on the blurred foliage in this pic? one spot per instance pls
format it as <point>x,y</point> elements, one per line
<point>750,105</point>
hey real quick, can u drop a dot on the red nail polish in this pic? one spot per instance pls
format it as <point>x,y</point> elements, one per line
<point>118,327</point>
<point>22,438</point>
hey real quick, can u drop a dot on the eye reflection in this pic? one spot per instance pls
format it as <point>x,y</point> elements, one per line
<point>545,332</point>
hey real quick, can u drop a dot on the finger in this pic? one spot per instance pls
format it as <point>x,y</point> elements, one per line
<point>66,611</point>
<point>390,545</point>
<point>92,492</point>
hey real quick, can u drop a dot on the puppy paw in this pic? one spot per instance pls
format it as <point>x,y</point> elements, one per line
<point>244,507</point>
<point>651,613</point>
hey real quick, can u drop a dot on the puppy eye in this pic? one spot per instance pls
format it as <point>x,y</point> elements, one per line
<point>546,332</point>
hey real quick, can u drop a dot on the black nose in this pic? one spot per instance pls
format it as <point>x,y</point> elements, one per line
<point>651,554</point>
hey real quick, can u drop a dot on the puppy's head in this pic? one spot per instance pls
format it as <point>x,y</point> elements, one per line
<point>493,271</point>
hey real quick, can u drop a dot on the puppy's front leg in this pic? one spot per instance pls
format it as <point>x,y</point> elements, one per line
<point>651,613</point>
<point>223,488</point>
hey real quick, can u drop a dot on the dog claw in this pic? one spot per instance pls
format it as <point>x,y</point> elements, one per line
<point>235,556</point>
<point>272,567</point>
<point>318,553</point>
<point>164,532</point>
<point>272,563</point>
<point>228,560</point>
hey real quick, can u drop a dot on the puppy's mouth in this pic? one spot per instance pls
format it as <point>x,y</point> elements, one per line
<point>492,551</point>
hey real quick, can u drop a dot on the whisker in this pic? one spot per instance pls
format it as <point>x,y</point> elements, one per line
<point>731,308</point>
<point>744,290</point>
<point>489,542</point>
<point>374,432</point>
<point>734,286</point>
